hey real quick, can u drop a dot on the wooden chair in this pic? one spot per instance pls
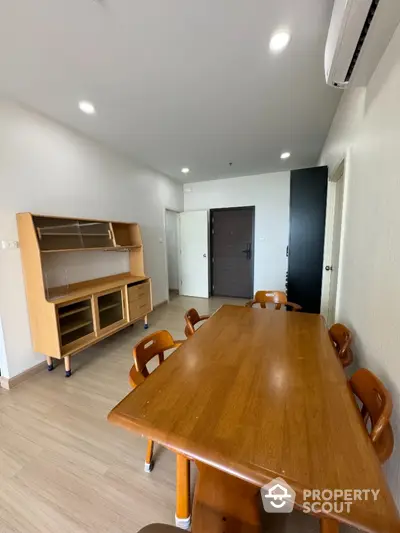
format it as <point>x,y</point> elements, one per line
<point>278,298</point>
<point>341,339</point>
<point>376,410</point>
<point>192,318</point>
<point>151,346</point>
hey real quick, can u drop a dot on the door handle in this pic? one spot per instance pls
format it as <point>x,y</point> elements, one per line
<point>247,251</point>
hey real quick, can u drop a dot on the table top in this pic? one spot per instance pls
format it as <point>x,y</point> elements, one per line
<point>261,394</point>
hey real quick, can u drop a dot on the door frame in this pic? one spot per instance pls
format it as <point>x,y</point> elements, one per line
<point>166,250</point>
<point>339,172</point>
<point>211,241</point>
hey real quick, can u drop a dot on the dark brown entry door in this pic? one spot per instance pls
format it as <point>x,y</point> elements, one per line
<point>232,252</point>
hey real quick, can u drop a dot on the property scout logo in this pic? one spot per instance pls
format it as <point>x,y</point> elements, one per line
<point>279,497</point>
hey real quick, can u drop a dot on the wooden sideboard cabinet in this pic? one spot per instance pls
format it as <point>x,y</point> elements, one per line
<point>67,318</point>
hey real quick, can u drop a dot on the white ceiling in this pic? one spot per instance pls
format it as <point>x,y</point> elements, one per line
<point>177,82</point>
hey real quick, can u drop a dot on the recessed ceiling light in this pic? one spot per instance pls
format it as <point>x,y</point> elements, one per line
<point>279,41</point>
<point>87,107</point>
<point>285,155</point>
<point>185,170</point>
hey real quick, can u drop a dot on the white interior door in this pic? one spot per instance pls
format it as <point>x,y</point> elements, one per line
<point>336,241</point>
<point>193,227</point>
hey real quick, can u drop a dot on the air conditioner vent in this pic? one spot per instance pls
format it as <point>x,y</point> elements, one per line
<point>361,40</point>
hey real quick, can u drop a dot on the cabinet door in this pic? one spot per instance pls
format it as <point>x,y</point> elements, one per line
<point>111,311</point>
<point>75,322</point>
<point>66,234</point>
<point>307,232</point>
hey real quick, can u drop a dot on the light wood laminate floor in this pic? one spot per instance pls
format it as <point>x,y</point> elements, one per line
<point>65,469</point>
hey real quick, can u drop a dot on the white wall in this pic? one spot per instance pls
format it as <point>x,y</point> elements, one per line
<point>366,129</point>
<point>46,168</point>
<point>270,194</point>
<point>3,358</point>
<point>171,234</point>
<point>65,269</point>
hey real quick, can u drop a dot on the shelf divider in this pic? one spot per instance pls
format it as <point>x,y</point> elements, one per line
<point>73,311</point>
<point>107,307</point>
<point>75,326</point>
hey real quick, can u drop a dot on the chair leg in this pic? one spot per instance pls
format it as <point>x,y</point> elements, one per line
<point>148,465</point>
<point>328,525</point>
<point>182,514</point>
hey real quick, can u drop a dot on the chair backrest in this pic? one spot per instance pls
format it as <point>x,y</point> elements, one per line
<point>278,298</point>
<point>376,410</point>
<point>192,317</point>
<point>341,338</point>
<point>151,346</point>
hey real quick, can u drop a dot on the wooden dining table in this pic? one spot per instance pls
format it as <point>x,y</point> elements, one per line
<point>254,395</point>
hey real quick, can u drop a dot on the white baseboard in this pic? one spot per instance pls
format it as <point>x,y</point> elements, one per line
<point>10,383</point>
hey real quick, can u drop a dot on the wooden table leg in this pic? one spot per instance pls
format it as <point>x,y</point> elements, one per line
<point>67,364</point>
<point>146,322</point>
<point>225,504</point>
<point>148,464</point>
<point>50,365</point>
<point>182,515</point>
<point>328,525</point>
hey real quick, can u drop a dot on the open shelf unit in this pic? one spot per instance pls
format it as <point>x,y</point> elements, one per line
<point>67,319</point>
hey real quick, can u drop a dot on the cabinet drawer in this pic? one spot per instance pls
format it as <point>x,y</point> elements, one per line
<point>140,291</point>
<point>142,299</point>
<point>139,308</point>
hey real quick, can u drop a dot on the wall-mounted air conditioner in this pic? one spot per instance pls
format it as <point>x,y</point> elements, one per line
<point>359,33</point>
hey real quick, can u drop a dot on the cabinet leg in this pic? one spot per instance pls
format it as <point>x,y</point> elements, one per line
<point>50,366</point>
<point>146,322</point>
<point>67,363</point>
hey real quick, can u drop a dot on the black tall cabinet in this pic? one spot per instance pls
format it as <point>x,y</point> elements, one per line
<point>308,188</point>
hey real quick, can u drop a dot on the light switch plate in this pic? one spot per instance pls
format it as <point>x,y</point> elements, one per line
<point>9,245</point>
